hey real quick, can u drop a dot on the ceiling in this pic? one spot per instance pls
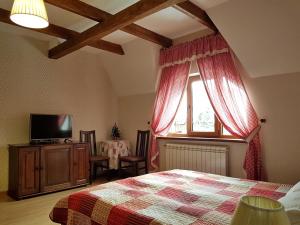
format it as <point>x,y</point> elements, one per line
<point>264,35</point>
<point>172,23</point>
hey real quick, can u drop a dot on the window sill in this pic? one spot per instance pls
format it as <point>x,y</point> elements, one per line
<point>235,140</point>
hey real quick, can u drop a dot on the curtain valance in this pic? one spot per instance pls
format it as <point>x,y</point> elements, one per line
<point>189,51</point>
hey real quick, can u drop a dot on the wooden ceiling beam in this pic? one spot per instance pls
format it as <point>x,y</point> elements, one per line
<point>196,12</point>
<point>99,15</point>
<point>64,33</point>
<point>123,18</point>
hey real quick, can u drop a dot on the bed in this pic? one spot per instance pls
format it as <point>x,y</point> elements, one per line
<point>177,197</point>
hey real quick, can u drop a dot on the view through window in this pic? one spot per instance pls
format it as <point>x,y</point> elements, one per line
<point>203,116</point>
<point>195,115</point>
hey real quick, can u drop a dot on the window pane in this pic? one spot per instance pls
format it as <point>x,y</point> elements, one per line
<point>203,114</point>
<point>225,132</point>
<point>179,124</point>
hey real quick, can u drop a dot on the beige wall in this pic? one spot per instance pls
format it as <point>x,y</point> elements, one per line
<point>31,83</point>
<point>78,84</point>
<point>274,98</point>
<point>134,113</point>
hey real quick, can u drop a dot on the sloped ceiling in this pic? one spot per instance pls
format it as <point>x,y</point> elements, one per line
<point>136,72</point>
<point>264,34</point>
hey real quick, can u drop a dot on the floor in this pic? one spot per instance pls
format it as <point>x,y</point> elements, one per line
<point>32,211</point>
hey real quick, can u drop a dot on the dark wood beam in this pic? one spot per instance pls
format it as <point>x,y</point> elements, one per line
<point>127,16</point>
<point>99,15</point>
<point>64,33</point>
<point>196,12</point>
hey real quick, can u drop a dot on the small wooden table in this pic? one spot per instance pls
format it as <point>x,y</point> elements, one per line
<point>114,149</point>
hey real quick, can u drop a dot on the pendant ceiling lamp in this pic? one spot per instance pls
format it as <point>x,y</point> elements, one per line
<point>29,13</point>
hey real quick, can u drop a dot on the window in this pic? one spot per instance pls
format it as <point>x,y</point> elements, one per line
<point>195,115</point>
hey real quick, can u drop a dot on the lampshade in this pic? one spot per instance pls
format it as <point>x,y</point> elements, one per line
<point>29,13</point>
<point>256,210</point>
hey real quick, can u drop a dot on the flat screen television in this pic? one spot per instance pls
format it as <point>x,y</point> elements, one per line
<point>50,127</point>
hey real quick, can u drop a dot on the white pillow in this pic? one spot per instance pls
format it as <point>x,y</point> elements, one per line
<point>291,203</point>
<point>295,189</point>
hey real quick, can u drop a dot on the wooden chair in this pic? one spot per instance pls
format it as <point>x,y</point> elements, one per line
<point>95,160</point>
<point>142,145</point>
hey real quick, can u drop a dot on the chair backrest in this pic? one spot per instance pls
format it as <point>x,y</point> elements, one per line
<point>89,137</point>
<point>142,143</point>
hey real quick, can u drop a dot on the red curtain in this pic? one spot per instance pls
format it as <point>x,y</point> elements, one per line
<point>171,87</point>
<point>231,104</point>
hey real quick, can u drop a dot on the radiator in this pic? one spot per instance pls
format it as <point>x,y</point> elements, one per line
<point>203,158</point>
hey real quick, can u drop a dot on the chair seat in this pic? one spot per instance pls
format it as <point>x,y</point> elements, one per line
<point>132,159</point>
<point>98,158</point>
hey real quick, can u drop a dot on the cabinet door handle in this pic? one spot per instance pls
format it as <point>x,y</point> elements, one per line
<point>36,168</point>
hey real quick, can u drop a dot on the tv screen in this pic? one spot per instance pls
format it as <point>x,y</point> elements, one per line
<point>44,127</point>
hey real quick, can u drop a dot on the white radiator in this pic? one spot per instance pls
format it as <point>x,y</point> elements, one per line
<point>203,158</point>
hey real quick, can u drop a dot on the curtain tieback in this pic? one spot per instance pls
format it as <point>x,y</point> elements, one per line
<point>253,134</point>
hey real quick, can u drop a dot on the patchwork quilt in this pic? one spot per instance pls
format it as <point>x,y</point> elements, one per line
<point>177,197</point>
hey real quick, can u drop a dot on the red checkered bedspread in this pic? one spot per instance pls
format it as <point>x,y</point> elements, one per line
<point>176,197</point>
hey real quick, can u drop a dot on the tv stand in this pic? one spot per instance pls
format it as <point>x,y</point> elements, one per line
<point>44,142</point>
<point>36,169</point>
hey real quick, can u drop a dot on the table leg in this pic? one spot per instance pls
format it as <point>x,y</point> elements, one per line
<point>136,169</point>
<point>146,166</point>
<point>120,167</point>
<point>91,172</point>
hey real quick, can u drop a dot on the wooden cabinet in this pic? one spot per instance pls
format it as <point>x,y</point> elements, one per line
<point>81,162</point>
<point>37,169</point>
